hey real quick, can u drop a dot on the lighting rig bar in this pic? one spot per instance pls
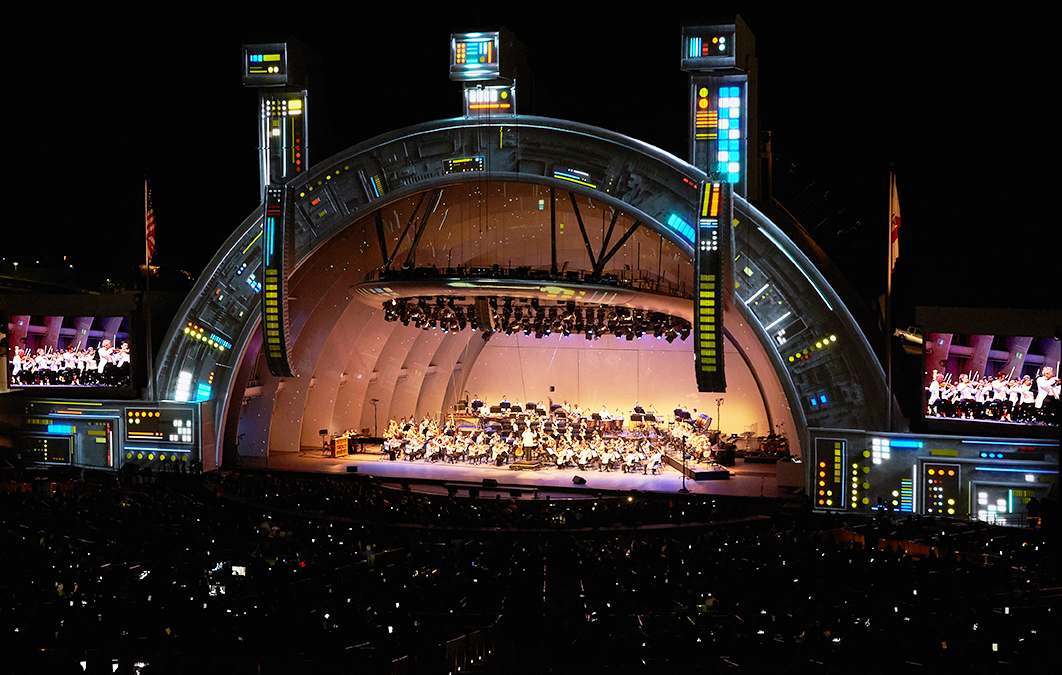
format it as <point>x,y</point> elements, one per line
<point>533,317</point>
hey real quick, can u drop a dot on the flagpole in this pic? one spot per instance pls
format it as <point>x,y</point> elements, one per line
<point>888,309</point>
<point>147,292</point>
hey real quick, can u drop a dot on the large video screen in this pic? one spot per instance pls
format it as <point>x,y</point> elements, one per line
<point>67,352</point>
<point>1009,380</point>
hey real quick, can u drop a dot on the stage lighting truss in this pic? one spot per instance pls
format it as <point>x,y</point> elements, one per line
<point>539,318</point>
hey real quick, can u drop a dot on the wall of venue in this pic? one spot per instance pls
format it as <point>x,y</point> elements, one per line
<point>614,373</point>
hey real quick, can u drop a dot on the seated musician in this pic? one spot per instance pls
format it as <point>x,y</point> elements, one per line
<point>654,462</point>
<point>477,403</point>
<point>632,457</point>
<point>504,403</point>
<point>638,409</point>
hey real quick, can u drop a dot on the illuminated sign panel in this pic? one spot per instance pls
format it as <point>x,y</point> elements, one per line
<point>574,176</point>
<point>274,64</point>
<point>942,488</point>
<point>723,47</point>
<point>496,100</point>
<point>157,425</point>
<point>41,449</point>
<point>827,473</point>
<point>265,65</point>
<point>475,57</point>
<point>279,215</point>
<point>719,130</point>
<point>283,136</point>
<point>464,164</point>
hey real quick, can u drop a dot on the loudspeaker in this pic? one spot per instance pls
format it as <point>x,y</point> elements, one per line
<point>490,483</point>
<point>352,468</point>
<point>579,480</point>
<point>484,315</point>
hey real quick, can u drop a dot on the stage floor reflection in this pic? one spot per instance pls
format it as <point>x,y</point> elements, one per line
<point>746,480</point>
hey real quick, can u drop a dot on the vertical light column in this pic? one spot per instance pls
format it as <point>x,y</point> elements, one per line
<point>708,317</point>
<point>276,336</point>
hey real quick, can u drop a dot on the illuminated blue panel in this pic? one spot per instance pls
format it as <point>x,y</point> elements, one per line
<point>676,223</point>
<point>900,443</point>
<point>202,392</point>
<point>728,153</point>
<point>60,429</point>
<point>270,238</point>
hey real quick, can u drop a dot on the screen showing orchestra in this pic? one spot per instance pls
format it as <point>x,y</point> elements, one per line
<point>1008,380</point>
<point>81,352</point>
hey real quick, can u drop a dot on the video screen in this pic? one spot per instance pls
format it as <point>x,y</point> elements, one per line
<point>1006,379</point>
<point>68,352</point>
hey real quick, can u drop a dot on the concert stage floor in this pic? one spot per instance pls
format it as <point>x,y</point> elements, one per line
<point>746,480</point>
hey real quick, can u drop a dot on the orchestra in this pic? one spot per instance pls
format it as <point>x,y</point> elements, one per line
<point>1024,399</point>
<point>557,435</point>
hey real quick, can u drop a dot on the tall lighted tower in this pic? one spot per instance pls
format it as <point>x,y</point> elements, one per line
<point>275,69</point>
<point>722,66</point>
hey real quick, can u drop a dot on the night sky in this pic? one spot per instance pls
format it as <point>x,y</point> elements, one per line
<point>955,103</point>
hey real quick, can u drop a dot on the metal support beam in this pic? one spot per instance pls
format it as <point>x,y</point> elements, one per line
<point>437,197</point>
<point>390,259</point>
<point>582,228</point>
<point>608,235</point>
<point>553,229</point>
<point>600,266</point>
<point>383,238</point>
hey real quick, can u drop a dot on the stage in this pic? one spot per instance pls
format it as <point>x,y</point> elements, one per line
<point>745,480</point>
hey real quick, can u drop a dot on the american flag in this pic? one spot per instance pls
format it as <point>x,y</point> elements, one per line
<point>149,223</point>
<point>894,225</point>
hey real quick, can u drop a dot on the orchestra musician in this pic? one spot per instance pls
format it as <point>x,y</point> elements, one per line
<point>1047,396</point>
<point>935,388</point>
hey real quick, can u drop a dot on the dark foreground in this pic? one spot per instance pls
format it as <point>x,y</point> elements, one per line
<point>278,573</point>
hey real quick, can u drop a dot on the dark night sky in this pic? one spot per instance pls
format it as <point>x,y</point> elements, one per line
<point>949,100</point>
